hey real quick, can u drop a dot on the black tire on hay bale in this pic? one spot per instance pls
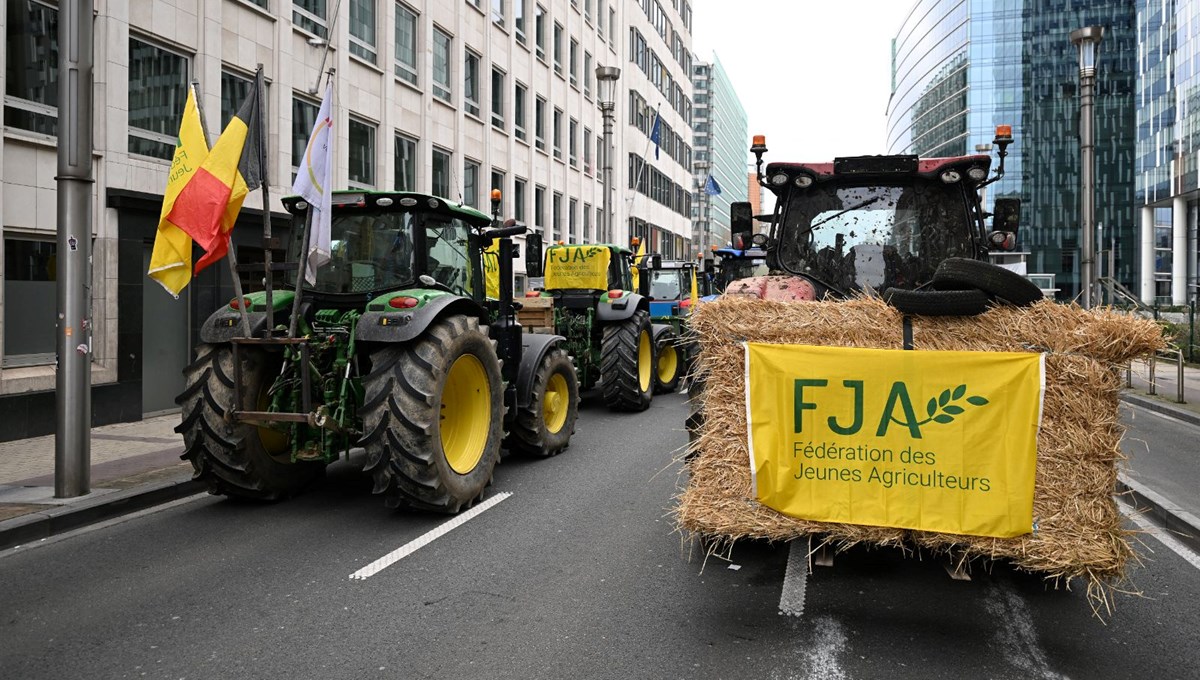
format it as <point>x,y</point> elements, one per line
<point>958,273</point>
<point>969,302</point>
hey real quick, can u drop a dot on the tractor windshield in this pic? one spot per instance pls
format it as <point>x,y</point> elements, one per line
<point>368,251</point>
<point>664,284</point>
<point>734,268</point>
<point>851,238</point>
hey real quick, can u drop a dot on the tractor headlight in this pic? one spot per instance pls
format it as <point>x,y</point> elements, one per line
<point>779,179</point>
<point>803,181</point>
<point>951,176</point>
<point>977,173</point>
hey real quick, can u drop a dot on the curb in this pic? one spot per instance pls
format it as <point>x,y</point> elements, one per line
<point>1161,407</point>
<point>60,519</point>
<point>1182,525</point>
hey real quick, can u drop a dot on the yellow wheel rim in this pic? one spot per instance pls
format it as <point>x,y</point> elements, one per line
<point>645,357</point>
<point>466,413</point>
<point>668,364</point>
<point>274,442</point>
<point>555,403</point>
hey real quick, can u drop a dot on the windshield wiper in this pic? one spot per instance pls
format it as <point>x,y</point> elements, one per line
<point>861,204</point>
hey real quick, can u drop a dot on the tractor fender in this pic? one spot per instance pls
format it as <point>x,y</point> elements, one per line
<point>225,324</point>
<point>534,347</point>
<point>609,312</point>
<point>403,325</point>
<point>657,329</point>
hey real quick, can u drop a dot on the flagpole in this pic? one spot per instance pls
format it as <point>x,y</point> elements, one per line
<point>642,168</point>
<point>302,267</point>
<point>232,257</point>
<point>268,268</point>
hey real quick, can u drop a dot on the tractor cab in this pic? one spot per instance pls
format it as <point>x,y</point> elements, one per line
<point>671,288</point>
<point>384,241</point>
<point>869,223</point>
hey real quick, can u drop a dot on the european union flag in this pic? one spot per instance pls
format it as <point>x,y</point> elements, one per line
<point>656,133</point>
<point>711,187</point>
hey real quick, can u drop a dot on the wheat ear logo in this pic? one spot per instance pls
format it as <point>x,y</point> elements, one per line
<point>941,410</point>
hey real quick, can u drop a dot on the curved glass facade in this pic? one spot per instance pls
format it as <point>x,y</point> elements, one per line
<point>961,67</point>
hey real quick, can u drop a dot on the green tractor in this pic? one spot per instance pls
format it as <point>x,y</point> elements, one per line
<point>605,322</point>
<point>392,349</point>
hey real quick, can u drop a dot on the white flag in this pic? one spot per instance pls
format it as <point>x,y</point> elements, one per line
<point>314,182</point>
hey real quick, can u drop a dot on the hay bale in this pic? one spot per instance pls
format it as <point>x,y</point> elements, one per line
<point>1079,533</point>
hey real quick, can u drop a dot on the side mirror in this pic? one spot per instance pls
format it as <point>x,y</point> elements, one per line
<point>1006,214</point>
<point>741,222</point>
<point>533,255</point>
<point>656,261</point>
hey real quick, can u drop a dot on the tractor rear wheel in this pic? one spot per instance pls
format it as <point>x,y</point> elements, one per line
<point>237,458</point>
<point>669,364</point>
<point>432,413</point>
<point>627,364</point>
<point>544,427</point>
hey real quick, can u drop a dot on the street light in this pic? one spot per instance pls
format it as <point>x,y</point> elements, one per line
<point>1088,39</point>
<point>606,78</point>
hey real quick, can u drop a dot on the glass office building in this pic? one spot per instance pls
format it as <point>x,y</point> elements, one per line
<point>721,136</point>
<point>961,67</point>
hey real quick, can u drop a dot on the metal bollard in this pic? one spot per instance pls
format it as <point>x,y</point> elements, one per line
<point>1153,377</point>
<point>1179,398</point>
<point>1129,374</point>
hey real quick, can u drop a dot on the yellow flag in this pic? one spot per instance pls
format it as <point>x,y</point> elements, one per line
<point>171,260</point>
<point>637,260</point>
<point>491,270</point>
<point>695,291</point>
<point>577,267</point>
<point>934,441</point>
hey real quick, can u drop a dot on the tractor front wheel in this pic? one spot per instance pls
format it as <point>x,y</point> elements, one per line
<point>669,364</point>
<point>544,427</point>
<point>432,414</point>
<point>235,458</point>
<point>627,364</point>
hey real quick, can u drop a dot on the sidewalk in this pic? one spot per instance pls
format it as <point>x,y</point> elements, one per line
<point>137,465</point>
<point>133,466</point>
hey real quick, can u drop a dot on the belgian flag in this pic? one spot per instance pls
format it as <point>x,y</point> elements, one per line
<point>209,203</point>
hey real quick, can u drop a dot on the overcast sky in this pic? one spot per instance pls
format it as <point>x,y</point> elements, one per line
<point>813,75</point>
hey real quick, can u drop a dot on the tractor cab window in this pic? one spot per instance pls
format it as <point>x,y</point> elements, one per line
<point>368,251</point>
<point>664,285</point>
<point>853,238</point>
<point>620,276</point>
<point>446,258</point>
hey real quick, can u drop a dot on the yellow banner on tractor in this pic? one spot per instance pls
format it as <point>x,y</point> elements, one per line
<point>934,441</point>
<point>577,267</point>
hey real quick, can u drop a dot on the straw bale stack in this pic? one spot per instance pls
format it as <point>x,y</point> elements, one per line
<point>1079,533</point>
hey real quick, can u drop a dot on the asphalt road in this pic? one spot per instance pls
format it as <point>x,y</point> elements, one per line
<point>578,573</point>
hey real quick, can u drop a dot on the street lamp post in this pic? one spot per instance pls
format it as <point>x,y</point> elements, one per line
<point>1088,39</point>
<point>606,78</point>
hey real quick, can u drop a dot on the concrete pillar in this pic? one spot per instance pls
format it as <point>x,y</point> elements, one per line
<point>1179,254</point>
<point>1147,288</point>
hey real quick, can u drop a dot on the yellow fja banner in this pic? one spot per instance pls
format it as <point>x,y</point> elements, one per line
<point>491,270</point>
<point>935,441</point>
<point>584,267</point>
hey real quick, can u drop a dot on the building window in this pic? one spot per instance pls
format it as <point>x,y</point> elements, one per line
<point>31,69</point>
<point>470,194</point>
<point>362,29</point>
<point>539,124</point>
<point>587,74</point>
<point>519,20</point>
<point>539,32</point>
<point>362,154</point>
<point>498,88</point>
<point>556,217</point>
<point>518,200</point>
<point>471,83</point>
<point>440,180</point>
<point>30,300</point>
<point>587,151</point>
<point>497,183</point>
<point>234,90</point>
<point>539,210</point>
<point>157,93</point>
<point>572,208</point>
<point>406,44</point>
<point>573,62</point>
<point>498,12</point>
<point>558,48</point>
<point>519,94</point>
<point>557,132</point>
<point>600,18</point>
<point>612,27</point>
<point>572,146</point>
<point>311,16</point>
<point>587,223</point>
<point>406,163</point>
<point>587,11</point>
<point>304,118</point>
<point>441,64</point>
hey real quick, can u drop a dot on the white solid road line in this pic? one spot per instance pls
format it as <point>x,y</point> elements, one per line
<point>1163,537</point>
<point>425,539</point>
<point>795,579</point>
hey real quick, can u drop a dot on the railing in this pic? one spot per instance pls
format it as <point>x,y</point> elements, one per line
<point>1174,355</point>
